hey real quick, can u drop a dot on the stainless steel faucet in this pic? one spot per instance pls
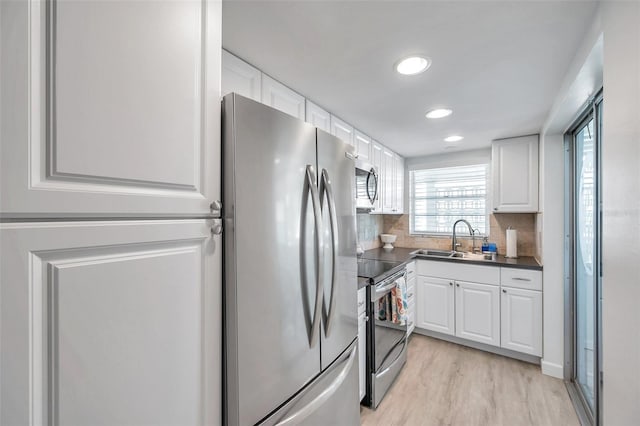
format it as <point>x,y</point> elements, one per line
<point>454,243</point>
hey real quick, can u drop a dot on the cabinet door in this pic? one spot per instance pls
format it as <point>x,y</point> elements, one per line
<point>318,117</point>
<point>240,77</point>
<point>362,353</point>
<point>114,322</point>
<point>114,110</point>
<point>521,322</point>
<point>388,183</point>
<point>399,184</point>
<point>435,305</point>
<point>515,174</point>
<point>376,160</point>
<point>280,97</point>
<point>363,146</point>
<point>342,130</point>
<point>478,312</point>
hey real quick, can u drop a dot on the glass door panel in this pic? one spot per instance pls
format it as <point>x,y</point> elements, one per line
<point>585,260</point>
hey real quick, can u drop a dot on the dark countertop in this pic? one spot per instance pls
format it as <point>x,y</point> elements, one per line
<point>401,254</point>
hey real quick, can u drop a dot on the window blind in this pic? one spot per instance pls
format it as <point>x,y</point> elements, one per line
<point>439,197</point>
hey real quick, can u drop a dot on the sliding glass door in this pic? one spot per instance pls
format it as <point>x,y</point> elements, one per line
<point>584,143</point>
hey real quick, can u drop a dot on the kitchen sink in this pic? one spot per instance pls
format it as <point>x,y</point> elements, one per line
<point>453,254</point>
<point>436,253</point>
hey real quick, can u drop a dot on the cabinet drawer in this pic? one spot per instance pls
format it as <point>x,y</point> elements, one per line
<point>411,295</point>
<point>521,278</point>
<point>362,296</point>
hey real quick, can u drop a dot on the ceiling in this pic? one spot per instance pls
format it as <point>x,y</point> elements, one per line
<point>498,65</point>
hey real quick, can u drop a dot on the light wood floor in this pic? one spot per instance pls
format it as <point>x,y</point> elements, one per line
<point>447,384</point>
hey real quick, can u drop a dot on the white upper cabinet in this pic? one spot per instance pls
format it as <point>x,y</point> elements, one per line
<point>123,118</point>
<point>399,183</point>
<point>318,117</point>
<point>280,97</point>
<point>376,160</point>
<point>363,146</point>
<point>514,165</point>
<point>240,77</point>
<point>388,182</point>
<point>342,130</point>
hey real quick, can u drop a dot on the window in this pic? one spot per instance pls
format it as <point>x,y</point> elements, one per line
<point>439,197</point>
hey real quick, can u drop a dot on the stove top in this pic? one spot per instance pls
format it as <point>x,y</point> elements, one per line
<point>372,269</point>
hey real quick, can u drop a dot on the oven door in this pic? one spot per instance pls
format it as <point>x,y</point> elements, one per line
<point>366,186</point>
<point>387,336</point>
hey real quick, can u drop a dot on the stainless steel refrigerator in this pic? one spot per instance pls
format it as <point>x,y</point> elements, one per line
<point>290,270</point>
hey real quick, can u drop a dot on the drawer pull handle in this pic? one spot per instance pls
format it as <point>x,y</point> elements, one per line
<point>361,304</point>
<point>409,296</point>
<point>504,291</point>
<point>410,325</point>
<point>521,279</point>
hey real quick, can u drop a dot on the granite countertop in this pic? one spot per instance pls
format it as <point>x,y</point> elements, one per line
<point>401,254</point>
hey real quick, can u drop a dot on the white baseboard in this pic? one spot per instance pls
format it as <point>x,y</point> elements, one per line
<point>551,369</point>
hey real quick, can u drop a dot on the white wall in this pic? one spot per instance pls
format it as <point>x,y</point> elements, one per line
<point>582,80</point>
<point>621,225</point>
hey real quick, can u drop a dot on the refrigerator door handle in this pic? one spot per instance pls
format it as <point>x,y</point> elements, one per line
<point>310,181</point>
<point>325,188</point>
<point>299,416</point>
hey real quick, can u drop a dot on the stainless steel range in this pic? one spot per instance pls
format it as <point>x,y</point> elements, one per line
<point>386,342</point>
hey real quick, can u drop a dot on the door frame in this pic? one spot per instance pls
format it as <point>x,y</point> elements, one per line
<point>592,110</point>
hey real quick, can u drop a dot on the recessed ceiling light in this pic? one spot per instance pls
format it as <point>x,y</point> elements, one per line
<point>439,113</point>
<point>413,65</point>
<point>454,138</point>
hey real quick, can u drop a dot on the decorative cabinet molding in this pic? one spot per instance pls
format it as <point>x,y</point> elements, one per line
<point>342,130</point>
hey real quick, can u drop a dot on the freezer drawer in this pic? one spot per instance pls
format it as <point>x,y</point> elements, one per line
<point>384,378</point>
<point>331,399</point>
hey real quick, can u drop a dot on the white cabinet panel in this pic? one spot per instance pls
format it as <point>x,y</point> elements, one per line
<point>342,130</point>
<point>435,304</point>
<point>388,178</point>
<point>514,165</point>
<point>478,312</point>
<point>521,322</point>
<point>376,160</point>
<point>318,117</point>
<point>240,77</point>
<point>363,146</point>
<point>280,97</point>
<point>362,354</point>
<point>399,184</point>
<point>100,314</point>
<point>128,122</point>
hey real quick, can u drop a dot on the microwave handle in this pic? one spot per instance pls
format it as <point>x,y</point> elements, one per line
<point>373,198</point>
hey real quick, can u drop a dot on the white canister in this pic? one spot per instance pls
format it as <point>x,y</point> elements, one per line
<point>512,243</point>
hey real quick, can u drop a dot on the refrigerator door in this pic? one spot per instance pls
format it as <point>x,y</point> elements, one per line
<point>336,172</point>
<point>270,260</point>
<point>331,399</point>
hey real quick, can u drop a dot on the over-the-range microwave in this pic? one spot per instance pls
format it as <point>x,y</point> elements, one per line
<point>366,186</point>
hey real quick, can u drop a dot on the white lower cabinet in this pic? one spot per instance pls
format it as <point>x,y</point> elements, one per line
<point>521,322</point>
<point>435,305</point>
<point>497,306</point>
<point>411,305</point>
<point>478,312</point>
<point>362,341</point>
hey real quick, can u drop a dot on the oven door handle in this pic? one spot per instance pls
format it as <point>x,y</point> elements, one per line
<point>381,291</point>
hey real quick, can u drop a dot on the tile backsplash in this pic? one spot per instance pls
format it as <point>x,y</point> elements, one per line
<point>370,227</point>
<point>498,224</point>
